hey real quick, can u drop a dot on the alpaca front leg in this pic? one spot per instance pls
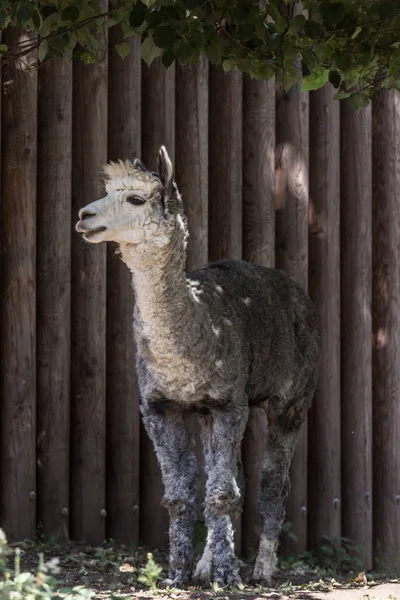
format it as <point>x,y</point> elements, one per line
<point>221,436</point>
<point>175,449</point>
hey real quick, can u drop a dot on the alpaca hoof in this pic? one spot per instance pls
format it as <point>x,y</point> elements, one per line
<point>261,576</point>
<point>177,582</point>
<point>233,581</point>
<point>202,577</point>
<point>201,582</point>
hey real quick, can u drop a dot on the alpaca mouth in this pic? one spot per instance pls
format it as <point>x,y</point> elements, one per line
<point>89,232</point>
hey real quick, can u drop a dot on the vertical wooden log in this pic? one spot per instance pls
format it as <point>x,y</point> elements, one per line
<point>191,148</point>
<point>225,164</point>
<point>225,175</point>
<point>386,326</point>
<point>324,493</point>
<point>258,248</point>
<point>54,294</point>
<point>158,127</point>
<point>123,417</point>
<point>192,155</point>
<point>18,304</point>
<point>291,241</point>
<point>356,358</point>
<point>88,344</point>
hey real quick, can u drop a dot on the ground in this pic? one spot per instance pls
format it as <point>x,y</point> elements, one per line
<point>112,572</point>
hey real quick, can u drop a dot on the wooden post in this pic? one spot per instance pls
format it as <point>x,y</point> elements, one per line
<point>291,241</point>
<point>54,294</point>
<point>258,248</point>
<point>18,303</point>
<point>158,127</point>
<point>191,169</point>
<point>192,155</point>
<point>225,175</point>
<point>386,327</point>
<point>123,417</point>
<point>324,492</point>
<point>88,314</point>
<point>225,164</point>
<point>356,328</point>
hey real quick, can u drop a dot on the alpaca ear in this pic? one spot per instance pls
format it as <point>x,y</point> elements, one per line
<point>165,169</point>
<point>138,165</point>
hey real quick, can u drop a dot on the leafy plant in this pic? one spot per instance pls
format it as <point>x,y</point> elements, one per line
<point>286,530</point>
<point>353,44</point>
<point>150,573</point>
<point>336,554</point>
<point>42,585</point>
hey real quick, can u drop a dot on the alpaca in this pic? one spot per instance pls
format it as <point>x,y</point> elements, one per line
<point>210,344</point>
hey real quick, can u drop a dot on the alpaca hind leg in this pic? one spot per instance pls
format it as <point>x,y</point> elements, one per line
<point>173,441</point>
<point>274,490</point>
<point>221,436</point>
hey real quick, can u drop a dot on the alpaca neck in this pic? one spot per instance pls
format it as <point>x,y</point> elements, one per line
<point>168,316</point>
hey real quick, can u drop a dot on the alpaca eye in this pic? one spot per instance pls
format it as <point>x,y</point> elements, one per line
<point>135,200</point>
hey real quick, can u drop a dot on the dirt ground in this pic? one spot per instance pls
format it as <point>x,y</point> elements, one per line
<point>112,573</point>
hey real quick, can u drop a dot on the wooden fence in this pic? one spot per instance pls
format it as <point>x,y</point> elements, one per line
<point>296,180</point>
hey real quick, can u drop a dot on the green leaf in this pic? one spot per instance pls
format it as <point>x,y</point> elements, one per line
<point>3,48</point>
<point>71,13</point>
<point>164,36</point>
<point>315,81</point>
<point>228,64</point>
<point>43,50</point>
<point>122,49</point>
<point>46,11</point>
<point>313,30</point>
<point>356,33</point>
<point>192,4</point>
<point>335,78</point>
<point>168,58</point>
<point>310,59</point>
<point>214,53</point>
<point>36,20</point>
<point>149,51</point>
<point>183,52</point>
<point>279,20</point>
<point>50,23</point>
<point>342,60</point>
<point>58,43</point>
<point>332,12</point>
<point>297,24</point>
<point>24,12</point>
<point>138,14</point>
<point>87,58</point>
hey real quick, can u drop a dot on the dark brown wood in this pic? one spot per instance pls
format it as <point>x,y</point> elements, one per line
<point>356,327</point>
<point>158,127</point>
<point>123,417</point>
<point>54,294</point>
<point>259,248</point>
<point>225,174</point>
<point>291,241</point>
<point>191,168</point>
<point>88,314</point>
<point>192,155</point>
<point>18,303</point>
<point>386,326</point>
<point>324,487</point>
<point>225,164</point>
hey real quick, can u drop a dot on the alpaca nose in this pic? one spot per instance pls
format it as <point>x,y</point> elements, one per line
<point>86,212</point>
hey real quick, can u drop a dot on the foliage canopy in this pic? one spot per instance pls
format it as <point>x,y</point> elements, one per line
<point>354,44</point>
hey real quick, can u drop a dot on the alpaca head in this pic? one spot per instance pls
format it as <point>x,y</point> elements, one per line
<point>140,206</point>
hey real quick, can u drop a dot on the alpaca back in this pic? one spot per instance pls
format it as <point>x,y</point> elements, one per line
<point>275,324</point>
